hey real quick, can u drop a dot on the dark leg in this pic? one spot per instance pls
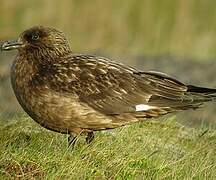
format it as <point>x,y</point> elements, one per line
<point>90,137</point>
<point>72,138</point>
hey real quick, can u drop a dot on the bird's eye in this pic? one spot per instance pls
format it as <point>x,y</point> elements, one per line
<point>35,37</point>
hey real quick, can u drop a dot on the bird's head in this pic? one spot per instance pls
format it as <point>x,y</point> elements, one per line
<point>39,41</point>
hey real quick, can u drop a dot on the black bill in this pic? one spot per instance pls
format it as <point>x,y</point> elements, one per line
<point>11,44</point>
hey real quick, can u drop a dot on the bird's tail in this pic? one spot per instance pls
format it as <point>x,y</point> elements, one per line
<point>201,94</point>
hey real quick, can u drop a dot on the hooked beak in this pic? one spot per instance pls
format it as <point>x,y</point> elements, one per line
<point>11,44</point>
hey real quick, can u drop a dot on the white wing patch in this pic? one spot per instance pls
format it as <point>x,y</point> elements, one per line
<point>144,107</point>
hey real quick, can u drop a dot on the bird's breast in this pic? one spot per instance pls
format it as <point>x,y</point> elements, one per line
<point>21,75</point>
<point>48,108</point>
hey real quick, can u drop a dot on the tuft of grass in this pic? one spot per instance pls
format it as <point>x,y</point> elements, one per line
<point>146,150</point>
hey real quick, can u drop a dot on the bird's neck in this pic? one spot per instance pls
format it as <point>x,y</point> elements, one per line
<point>38,57</point>
<point>22,70</point>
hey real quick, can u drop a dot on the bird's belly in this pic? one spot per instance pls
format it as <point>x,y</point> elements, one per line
<point>45,113</point>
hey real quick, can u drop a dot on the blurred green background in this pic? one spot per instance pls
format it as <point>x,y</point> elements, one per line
<point>177,37</point>
<point>181,27</point>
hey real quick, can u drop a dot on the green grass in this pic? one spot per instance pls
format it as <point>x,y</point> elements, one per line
<point>148,150</point>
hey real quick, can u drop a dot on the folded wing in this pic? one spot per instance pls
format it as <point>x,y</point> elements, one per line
<point>113,89</point>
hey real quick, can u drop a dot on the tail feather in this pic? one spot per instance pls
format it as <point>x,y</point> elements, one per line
<point>202,94</point>
<point>202,90</point>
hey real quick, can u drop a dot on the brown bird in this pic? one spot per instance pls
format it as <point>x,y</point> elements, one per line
<point>75,94</point>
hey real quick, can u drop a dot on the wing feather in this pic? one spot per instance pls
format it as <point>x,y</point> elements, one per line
<point>113,88</point>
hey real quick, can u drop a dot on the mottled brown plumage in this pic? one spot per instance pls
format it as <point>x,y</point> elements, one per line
<point>76,94</point>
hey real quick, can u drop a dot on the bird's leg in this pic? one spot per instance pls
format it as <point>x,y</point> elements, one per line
<point>90,137</point>
<point>72,138</point>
